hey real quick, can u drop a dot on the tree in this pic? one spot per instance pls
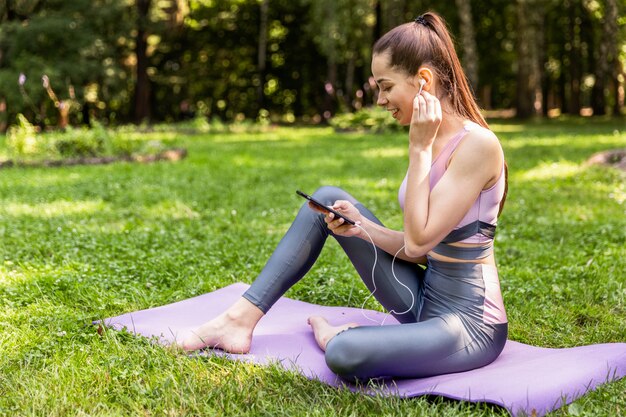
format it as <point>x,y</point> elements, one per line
<point>342,30</point>
<point>75,44</point>
<point>468,42</point>
<point>606,59</point>
<point>141,100</point>
<point>528,68</point>
<point>262,52</point>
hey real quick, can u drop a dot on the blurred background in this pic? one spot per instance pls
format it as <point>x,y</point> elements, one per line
<point>292,61</point>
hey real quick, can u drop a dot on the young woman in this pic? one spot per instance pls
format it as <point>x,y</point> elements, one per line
<point>451,314</point>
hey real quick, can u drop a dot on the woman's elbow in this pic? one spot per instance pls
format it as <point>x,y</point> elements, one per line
<point>414,250</point>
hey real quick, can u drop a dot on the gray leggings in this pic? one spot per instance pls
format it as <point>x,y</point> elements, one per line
<point>444,332</point>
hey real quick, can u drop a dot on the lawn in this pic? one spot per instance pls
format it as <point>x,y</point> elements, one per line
<point>88,242</point>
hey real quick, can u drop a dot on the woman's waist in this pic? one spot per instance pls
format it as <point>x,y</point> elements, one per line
<point>453,277</point>
<point>455,251</point>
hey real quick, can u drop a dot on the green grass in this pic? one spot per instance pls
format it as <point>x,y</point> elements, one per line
<point>84,243</point>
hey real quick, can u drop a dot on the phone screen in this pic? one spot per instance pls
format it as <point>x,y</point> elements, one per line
<point>324,207</point>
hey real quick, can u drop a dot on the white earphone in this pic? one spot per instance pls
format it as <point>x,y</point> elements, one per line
<point>422,83</point>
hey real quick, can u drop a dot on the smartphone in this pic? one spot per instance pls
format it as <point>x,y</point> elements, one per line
<point>325,208</point>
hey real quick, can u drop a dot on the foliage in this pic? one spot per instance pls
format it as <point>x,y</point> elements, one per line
<point>366,119</point>
<point>88,242</point>
<point>80,45</point>
<point>25,144</point>
<point>203,57</point>
<point>22,139</point>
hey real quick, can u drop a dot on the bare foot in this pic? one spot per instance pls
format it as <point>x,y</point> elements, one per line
<point>231,331</point>
<point>323,331</point>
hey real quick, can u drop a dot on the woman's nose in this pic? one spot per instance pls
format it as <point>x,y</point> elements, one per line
<point>382,100</point>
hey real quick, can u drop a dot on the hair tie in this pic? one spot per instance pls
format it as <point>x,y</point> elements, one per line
<point>421,20</point>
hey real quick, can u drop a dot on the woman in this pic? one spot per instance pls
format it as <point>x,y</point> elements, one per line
<point>451,314</point>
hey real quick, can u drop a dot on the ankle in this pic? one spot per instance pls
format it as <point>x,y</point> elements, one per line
<point>243,313</point>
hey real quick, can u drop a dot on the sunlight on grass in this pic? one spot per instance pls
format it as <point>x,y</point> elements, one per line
<point>171,209</point>
<point>151,136</point>
<point>501,128</point>
<point>8,275</point>
<point>618,193</point>
<point>384,153</point>
<point>252,162</point>
<point>53,209</point>
<point>562,140</point>
<point>45,177</point>
<point>274,134</point>
<point>551,170</point>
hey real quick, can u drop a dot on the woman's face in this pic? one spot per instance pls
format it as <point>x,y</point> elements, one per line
<point>396,88</point>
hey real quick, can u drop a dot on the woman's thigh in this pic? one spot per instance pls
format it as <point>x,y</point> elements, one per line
<point>395,283</point>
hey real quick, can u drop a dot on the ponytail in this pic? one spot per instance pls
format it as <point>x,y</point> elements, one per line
<point>458,87</point>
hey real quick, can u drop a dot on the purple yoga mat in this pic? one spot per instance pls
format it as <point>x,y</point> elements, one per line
<point>524,379</point>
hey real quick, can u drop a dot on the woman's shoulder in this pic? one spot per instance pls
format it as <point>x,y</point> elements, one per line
<point>481,140</point>
<point>477,131</point>
<point>479,153</point>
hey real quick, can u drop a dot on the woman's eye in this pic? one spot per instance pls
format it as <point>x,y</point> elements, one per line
<point>386,89</point>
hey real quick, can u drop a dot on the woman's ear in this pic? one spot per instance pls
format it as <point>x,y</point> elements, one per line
<point>425,75</point>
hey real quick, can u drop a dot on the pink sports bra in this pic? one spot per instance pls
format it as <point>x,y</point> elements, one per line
<point>485,208</point>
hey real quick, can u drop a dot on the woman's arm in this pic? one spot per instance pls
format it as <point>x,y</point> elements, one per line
<point>386,239</point>
<point>430,216</point>
<point>389,240</point>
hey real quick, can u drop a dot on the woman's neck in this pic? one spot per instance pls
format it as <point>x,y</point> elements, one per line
<point>450,125</point>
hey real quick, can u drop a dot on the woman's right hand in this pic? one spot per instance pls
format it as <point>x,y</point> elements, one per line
<point>425,121</point>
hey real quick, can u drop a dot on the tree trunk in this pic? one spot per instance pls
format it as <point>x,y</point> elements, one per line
<point>528,101</point>
<point>618,88</point>
<point>349,94</point>
<point>262,54</point>
<point>378,25</point>
<point>575,60</point>
<point>142,83</point>
<point>606,58</point>
<point>468,42</point>
<point>544,78</point>
<point>611,31</point>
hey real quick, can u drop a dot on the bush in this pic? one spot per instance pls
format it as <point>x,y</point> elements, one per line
<point>367,119</point>
<point>24,143</point>
<point>80,143</point>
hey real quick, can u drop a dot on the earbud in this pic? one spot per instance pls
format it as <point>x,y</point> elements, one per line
<point>422,82</point>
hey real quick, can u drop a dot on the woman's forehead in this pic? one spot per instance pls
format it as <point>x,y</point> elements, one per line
<point>383,71</point>
<point>380,64</point>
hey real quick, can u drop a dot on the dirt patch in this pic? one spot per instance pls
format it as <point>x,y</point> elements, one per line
<point>174,154</point>
<point>615,158</point>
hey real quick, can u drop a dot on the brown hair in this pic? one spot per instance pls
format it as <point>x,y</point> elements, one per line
<point>428,41</point>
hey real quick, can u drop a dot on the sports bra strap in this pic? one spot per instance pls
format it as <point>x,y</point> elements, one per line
<point>469,230</point>
<point>463,252</point>
<point>467,252</point>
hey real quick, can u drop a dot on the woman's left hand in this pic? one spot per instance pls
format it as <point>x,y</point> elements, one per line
<point>337,225</point>
<point>425,120</point>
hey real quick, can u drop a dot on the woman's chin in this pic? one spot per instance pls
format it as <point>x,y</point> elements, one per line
<point>402,121</point>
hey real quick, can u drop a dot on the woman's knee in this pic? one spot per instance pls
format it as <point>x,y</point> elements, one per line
<point>345,357</point>
<point>328,194</point>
